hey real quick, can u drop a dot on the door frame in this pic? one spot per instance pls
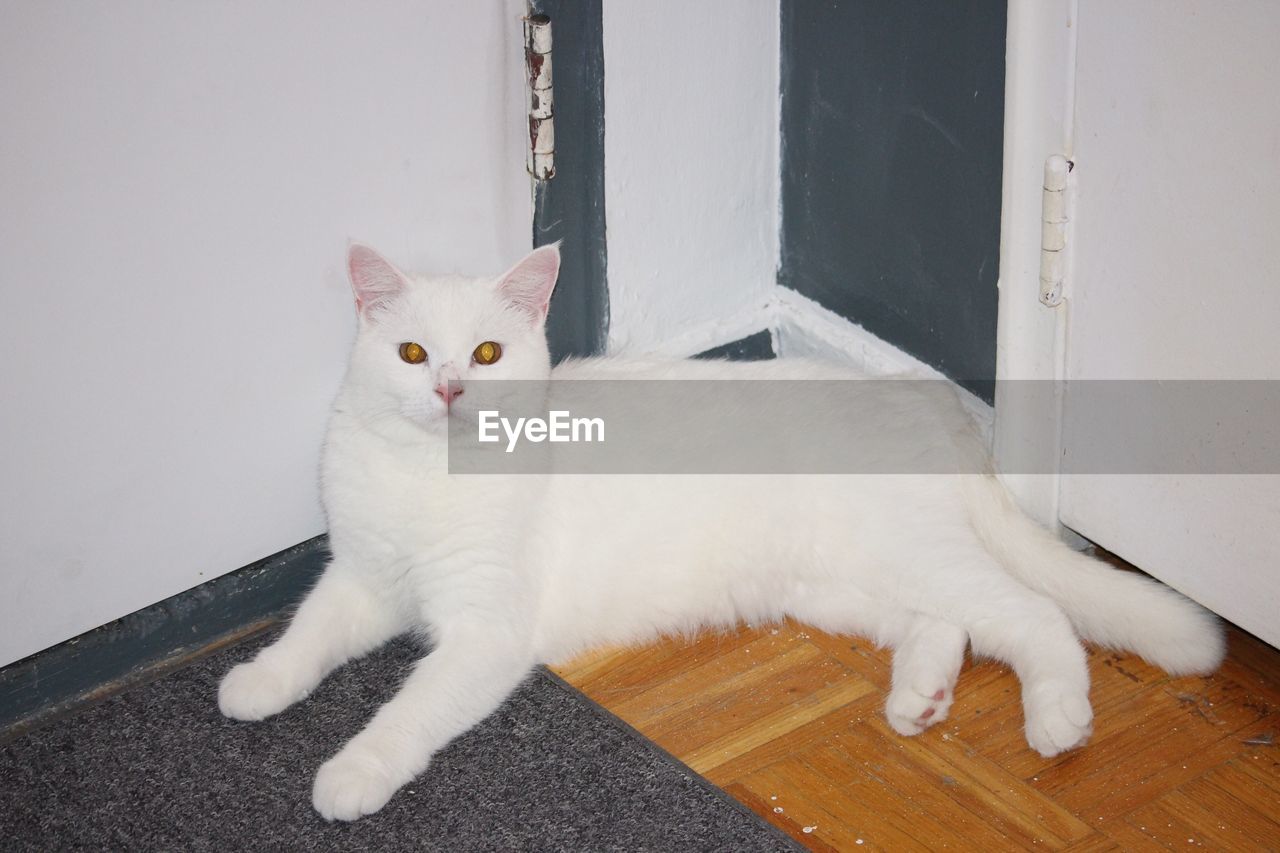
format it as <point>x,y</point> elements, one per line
<point>1030,336</point>
<point>569,208</point>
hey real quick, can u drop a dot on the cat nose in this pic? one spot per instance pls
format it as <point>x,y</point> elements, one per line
<point>449,392</point>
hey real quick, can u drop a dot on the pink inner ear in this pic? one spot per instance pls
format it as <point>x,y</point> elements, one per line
<point>373,278</point>
<point>528,285</point>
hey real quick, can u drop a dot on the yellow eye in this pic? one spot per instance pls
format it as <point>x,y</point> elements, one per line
<point>487,353</point>
<point>413,353</point>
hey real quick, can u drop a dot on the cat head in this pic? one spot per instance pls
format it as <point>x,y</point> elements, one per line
<point>422,339</point>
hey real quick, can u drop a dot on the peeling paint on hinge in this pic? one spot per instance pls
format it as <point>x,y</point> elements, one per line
<point>540,159</point>
<point>1054,214</point>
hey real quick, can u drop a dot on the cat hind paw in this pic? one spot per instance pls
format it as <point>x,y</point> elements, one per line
<point>1058,720</point>
<point>911,711</point>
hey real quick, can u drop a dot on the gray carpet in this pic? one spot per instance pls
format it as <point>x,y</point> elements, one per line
<point>157,767</point>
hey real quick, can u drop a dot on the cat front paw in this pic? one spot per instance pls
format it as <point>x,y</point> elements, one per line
<point>255,690</point>
<point>351,785</point>
<point>1059,718</point>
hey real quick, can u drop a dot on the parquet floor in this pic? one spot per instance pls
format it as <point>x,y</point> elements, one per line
<point>788,720</point>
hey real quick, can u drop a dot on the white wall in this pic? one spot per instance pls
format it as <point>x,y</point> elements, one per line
<point>691,170</point>
<point>177,186</point>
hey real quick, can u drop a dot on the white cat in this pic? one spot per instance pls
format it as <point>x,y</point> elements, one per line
<point>506,572</point>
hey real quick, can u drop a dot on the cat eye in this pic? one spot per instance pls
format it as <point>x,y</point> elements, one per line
<point>487,353</point>
<point>412,353</point>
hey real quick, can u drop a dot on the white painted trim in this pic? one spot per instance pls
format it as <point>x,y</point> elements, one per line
<point>805,328</point>
<point>749,321</point>
<point>1030,337</point>
<point>801,328</point>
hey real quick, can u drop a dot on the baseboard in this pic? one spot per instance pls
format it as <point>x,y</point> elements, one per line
<point>136,647</point>
<point>722,331</point>
<point>806,329</point>
<point>790,325</point>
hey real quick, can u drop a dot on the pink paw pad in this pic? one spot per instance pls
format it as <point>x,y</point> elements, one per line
<point>911,712</point>
<point>931,710</point>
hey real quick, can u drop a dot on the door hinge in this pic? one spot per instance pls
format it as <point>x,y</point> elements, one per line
<point>541,156</point>
<point>1053,229</point>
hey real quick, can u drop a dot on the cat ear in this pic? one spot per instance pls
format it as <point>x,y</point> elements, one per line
<point>373,278</point>
<point>528,285</point>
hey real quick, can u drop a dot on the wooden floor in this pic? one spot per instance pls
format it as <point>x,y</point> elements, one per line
<point>788,720</point>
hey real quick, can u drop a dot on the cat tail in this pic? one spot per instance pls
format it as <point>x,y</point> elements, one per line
<point>1108,606</point>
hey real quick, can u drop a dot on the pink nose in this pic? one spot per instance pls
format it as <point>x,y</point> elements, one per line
<point>448,393</point>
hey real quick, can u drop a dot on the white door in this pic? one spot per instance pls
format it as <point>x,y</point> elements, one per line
<point>178,182</point>
<point>1176,275</point>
